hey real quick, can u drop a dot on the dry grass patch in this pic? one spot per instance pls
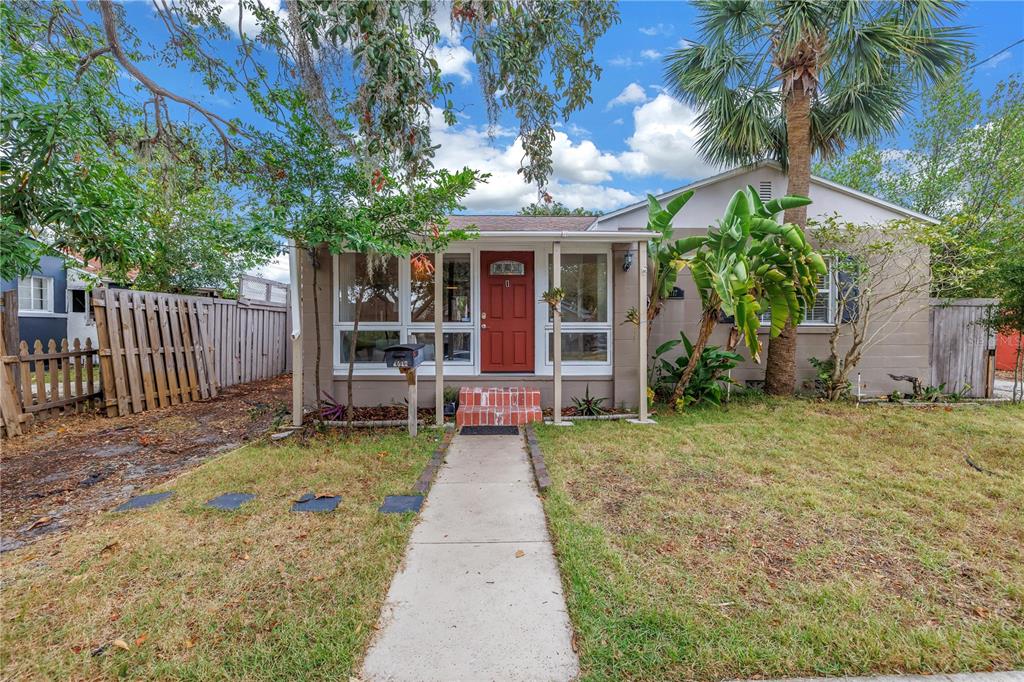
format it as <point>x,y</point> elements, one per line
<point>783,538</point>
<point>181,591</point>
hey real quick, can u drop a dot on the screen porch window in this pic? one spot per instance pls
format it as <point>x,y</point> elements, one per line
<point>457,305</point>
<point>394,301</point>
<point>586,325</point>
<point>35,294</point>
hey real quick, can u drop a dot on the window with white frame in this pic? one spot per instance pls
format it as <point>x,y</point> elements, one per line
<point>393,299</point>
<point>35,294</point>
<point>586,324</point>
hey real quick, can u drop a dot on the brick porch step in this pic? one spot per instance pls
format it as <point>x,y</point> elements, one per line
<point>498,406</point>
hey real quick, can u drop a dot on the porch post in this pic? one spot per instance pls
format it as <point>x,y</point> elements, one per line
<point>556,282</point>
<point>296,333</point>
<point>641,253</point>
<point>438,338</point>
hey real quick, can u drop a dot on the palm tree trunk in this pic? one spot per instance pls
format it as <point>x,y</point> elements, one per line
<point>708,320</point>
<point>780,374</point>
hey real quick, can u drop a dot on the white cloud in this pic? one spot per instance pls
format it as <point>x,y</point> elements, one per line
<point>657,29</point>
<point>580,170</point>
<point>633,93</point>
<point>650,54</point>
<point>454,60</point>
<point>683,42</point>
<point>997,60</point>
<point>618,121</point>
<point>663,141</point>
<point>250,26</point>
<point>276,269</point>
<point>625,61</point>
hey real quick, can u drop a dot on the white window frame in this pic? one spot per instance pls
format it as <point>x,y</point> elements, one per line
<point>577,367</point>
<point>453,368</point>
<point>29,281</point>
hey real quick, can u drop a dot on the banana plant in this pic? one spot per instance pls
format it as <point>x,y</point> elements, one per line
<point>749,262</point>
<point>662,252</point>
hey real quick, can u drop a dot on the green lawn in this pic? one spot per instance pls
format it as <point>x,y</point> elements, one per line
<point>261,593</point>
<point>783,538</point>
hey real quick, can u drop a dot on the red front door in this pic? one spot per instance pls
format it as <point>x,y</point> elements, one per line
<point>506,311</point>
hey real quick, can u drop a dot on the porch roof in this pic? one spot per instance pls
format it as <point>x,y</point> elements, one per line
<point>542,228</point>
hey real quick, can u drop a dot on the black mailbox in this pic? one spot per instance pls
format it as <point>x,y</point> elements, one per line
<point>404,355</point>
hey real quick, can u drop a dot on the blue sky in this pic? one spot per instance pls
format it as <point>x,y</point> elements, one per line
<point>633,138</point>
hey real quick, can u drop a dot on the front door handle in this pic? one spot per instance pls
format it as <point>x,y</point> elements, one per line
<point>483,326</point>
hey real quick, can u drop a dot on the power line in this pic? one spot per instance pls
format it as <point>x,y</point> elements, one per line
<point>994,55</point>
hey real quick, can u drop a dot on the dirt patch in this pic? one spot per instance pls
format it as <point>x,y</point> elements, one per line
<point>66,469</point>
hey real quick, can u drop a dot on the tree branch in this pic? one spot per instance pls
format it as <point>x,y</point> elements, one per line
<point>85,61</point>
<point>110,29</point>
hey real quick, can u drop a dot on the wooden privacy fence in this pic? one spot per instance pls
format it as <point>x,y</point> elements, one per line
<point>963,349</point>
<point>158,350</point>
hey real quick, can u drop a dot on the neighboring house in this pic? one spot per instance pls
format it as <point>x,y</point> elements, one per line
<point>498,333</point>
<point>53,303</point>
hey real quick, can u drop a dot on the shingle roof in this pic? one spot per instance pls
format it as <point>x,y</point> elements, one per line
<point>522,223</point>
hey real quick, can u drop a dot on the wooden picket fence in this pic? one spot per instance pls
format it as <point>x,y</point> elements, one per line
<point>158,350</point>
<point>56,381</point>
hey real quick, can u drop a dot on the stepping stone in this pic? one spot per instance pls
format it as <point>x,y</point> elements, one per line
<point>230,501</point>
<point>399,504</point>
<point>311,503</point>
<point>143,501</point>
<point>490,431</point>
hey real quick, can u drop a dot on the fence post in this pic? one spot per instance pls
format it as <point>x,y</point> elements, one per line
<point>109,399</point>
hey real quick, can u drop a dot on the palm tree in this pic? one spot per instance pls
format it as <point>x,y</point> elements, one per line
<point>788,79</point>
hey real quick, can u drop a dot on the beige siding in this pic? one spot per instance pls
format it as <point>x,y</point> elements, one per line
<point>904,349</point>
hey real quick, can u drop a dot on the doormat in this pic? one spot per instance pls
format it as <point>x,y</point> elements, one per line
<point>490,431</point>
<point>399,504</point>
<point>143,501</point>
<point>316,503</point>
<point>230,501</point>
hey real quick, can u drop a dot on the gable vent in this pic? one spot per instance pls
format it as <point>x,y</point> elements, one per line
<point>764,190</point>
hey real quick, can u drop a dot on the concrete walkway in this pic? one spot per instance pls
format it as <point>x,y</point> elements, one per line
<point>478,596</point>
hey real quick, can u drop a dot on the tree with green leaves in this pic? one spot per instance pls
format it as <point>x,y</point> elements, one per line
<point>747,264</point>
<point>964,167</point>
<point>82,177</point>
<point>556,209</point>
<point>319,198</point>
<point>789,80</point>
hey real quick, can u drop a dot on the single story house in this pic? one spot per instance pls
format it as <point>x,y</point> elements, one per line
<point>499,333</point>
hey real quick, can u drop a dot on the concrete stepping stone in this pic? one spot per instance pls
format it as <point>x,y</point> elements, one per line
<point>316,503</point>
<point>143,501</point>
<point>230,501</point>
<point>400,504</point>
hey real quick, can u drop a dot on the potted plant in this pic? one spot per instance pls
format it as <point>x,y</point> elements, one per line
<point>451,400</point>
<point>553,297</point>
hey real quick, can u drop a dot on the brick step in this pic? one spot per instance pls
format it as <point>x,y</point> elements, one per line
<point>491,415</point>
<point>498,397</point>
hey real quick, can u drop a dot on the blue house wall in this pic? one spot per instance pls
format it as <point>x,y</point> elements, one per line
<point>45,326</point>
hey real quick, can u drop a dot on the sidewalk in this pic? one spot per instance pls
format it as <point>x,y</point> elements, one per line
<point>479,595</point>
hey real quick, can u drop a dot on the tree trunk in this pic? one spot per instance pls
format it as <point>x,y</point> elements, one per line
<point>708,320</point>
<point>315,261</point>
<point>780,374</point>
<point>349,406</point>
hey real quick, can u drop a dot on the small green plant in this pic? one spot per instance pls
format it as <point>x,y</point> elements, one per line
<point>553,297</point>
<point>824,384</point>
<point>710,375</point>
<point>589,406</point>
<point>932,394</point>
<point>451,395</point>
